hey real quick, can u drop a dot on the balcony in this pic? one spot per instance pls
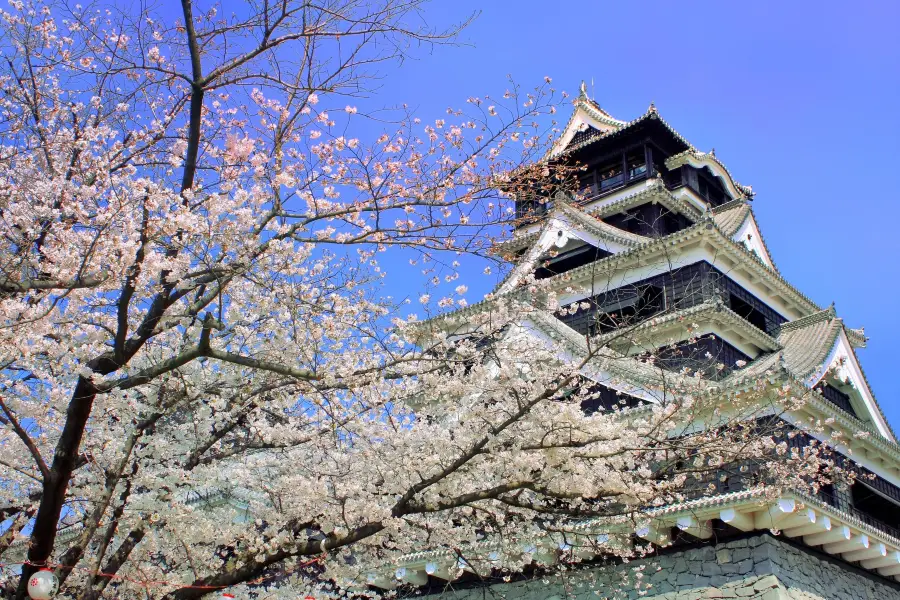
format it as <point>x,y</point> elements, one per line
<point>597,184</point>
<point>699,181</point>
<point>678,289</point>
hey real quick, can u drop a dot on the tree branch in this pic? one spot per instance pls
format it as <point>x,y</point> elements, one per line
<point>26,439</point>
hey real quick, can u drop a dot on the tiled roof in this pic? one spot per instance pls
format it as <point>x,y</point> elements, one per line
<point>806,344</point>
<point>651,114</point>
<point>731,215</point>
<point>808,341</point>
<point>564,209</point>
<point>705,227</point>
<point>601,228</point>
<point>565,204</point>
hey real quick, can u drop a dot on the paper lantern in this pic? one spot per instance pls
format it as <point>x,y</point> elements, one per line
<point>42,585</point>
<point>225,596</point>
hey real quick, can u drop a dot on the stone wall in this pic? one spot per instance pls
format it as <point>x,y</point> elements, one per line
<point>754,568</point>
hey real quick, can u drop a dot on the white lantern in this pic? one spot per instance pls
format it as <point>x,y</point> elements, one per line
<point>42,585</point>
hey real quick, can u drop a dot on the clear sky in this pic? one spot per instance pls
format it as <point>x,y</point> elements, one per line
<point>799,99</point>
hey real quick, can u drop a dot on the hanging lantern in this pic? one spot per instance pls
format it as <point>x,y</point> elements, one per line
<point>42,585</point>
<point>225,596</point>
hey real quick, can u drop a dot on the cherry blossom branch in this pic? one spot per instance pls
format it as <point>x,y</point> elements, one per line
<point>10,285</point>
<point>26,439</point>
<point>116,561</point>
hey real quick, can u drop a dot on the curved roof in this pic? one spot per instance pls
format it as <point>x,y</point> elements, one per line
<point>808,341</point>
<point>698,160</point>
<point>574,223</point>
<point>587,115</point>
<point>708,229</point>
<point>731,215</point>
<point>651,115</point>
<point>811,347</point>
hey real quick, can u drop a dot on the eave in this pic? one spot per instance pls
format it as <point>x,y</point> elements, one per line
<point>651,115</point>
<point>786,513</point>
<point>705,313</point>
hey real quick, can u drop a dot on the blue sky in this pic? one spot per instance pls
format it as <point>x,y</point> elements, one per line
<point>799,99</point>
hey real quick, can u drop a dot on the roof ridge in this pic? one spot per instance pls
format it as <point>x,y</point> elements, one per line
<point>730,205</point>
<point>826,314</point>
<point>592,104</point>
<point>652,113</point>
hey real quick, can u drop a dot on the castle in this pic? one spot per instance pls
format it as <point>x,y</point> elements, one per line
<point>677,238</point>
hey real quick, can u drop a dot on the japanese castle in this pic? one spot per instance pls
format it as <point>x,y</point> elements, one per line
<point>677,237</point>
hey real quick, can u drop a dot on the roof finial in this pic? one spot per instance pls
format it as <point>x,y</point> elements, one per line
<point>583,91</point>
<point>712,152</point>
<point>652,108</point>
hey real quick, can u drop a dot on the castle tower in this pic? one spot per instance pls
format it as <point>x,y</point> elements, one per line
<point>656,232</point>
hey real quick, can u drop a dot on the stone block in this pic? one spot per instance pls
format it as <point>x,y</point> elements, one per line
<point>739,554</point>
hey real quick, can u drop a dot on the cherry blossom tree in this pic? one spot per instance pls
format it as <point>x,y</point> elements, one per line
<point>193,307</point>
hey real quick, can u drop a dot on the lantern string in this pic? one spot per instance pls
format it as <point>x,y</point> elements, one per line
<point>160,583</point>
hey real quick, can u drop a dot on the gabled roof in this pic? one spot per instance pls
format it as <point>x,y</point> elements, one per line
<point>820,344</point>
<point>736,219</point>
<point>813,347</point>
<point>587,116</point>
<point>580,219</point>
<point>808,341</point>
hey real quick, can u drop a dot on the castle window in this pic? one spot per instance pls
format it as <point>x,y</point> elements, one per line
<point>611,175</point>
<point>586,184</point>
<point>710,189</point>
<point>746,310</point>
<point>873,505</point>
<point>651,300</point>
<point>603,399</point>
<point>637,163</point>
<point>566,261</point>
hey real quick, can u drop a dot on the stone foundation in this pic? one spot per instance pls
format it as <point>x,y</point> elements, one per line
<point>755,568</point>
